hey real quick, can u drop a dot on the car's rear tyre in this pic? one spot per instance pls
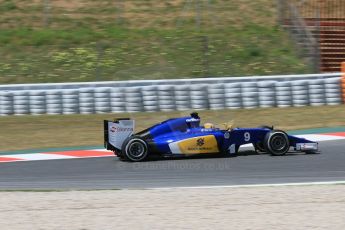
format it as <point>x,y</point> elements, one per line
<point>277,143</point>
<point>134,149</point>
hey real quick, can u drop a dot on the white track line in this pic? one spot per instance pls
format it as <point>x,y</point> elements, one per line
<point>37,156</point>
<point>255,185</point>
<point>320,137</point>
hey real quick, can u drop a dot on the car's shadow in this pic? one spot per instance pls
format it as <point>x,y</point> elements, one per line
<point>242,153</point>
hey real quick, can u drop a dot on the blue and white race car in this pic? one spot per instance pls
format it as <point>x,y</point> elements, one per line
<point>184,137</point>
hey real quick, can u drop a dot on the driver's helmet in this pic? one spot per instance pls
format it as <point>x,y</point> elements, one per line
<point>193,121</point>
<point>209,126</point>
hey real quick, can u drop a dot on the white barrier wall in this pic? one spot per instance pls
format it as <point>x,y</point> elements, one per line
<point>200,94</point>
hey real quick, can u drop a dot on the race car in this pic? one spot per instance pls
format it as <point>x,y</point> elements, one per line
<point>185,136</point>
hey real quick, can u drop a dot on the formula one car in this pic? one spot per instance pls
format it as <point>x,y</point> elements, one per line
<point>184,136</point>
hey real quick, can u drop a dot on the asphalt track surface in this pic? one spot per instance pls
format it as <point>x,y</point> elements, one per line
<point>110,173</point>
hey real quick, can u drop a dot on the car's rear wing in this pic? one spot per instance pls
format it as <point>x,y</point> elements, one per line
<point>116,132</point>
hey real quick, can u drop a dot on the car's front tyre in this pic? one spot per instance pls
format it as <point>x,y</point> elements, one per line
<point>277,143</point>
<point>134,149</point>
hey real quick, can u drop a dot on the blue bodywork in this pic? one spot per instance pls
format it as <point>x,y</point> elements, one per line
<point>161,136</point>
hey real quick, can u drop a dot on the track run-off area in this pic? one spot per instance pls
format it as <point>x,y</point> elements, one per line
<point>99,169</point>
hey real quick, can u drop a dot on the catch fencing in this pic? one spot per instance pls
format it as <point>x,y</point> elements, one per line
<point>171,95</point>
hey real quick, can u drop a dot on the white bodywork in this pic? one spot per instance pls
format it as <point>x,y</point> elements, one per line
<point>119,131</point>
<point>307,147</point>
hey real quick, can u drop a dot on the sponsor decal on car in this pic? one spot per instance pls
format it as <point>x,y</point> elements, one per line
<point>200,142</point>
<point>306,146</point>
<point>196,145</point>
<point>120,129</point>
<point>192,120</point>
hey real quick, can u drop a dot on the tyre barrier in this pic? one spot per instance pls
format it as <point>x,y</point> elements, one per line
<point>70,101</point>
<point>37,102</point>
<point>87,101</point>
<point>198,97</point>
<point>333,91</point>
<point>233,95</point>
<point>6,103</point>
<point>117,100</point>
<point>250,95</point>
<point>266,94</point>
<point>21,102</point>
<point>54,102</point>
<point>283,94</point>
<point>152,98</point>
<point>182,97</point>
<point>300,95</point>
<point>166,97</point>
<point>133,99</point>
<point>102,100</point>
<point>316,93</point>
<point>216,96</point>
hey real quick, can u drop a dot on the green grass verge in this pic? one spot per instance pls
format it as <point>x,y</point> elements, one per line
<point>51,131</point>
<point>86,41</point>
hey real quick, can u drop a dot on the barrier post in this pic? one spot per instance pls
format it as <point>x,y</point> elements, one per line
<point>343,81</point>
